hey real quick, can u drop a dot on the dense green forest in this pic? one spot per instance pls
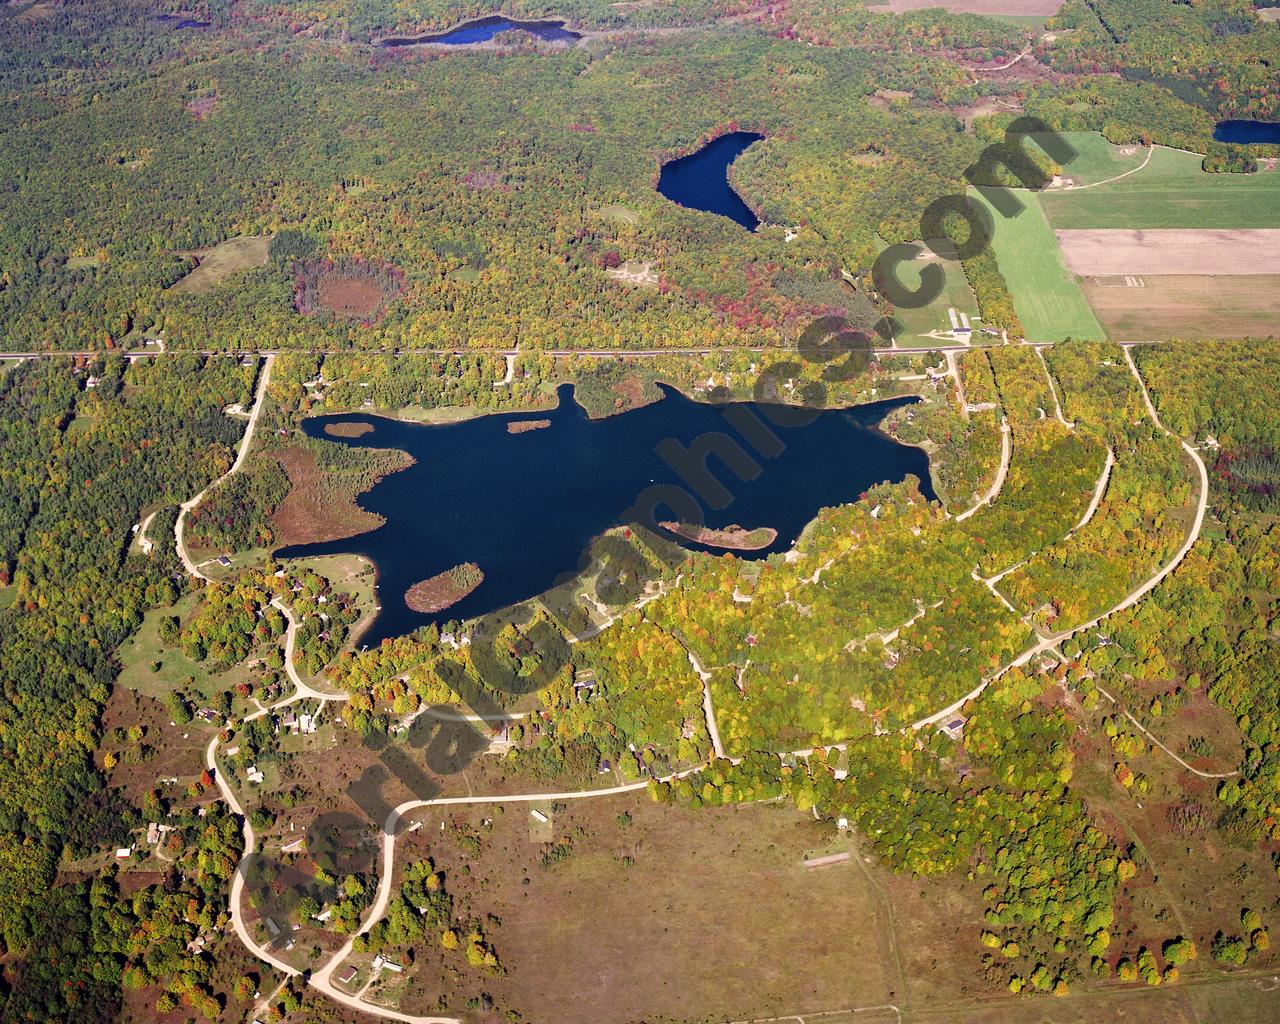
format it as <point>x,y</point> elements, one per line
<point>396,160</point>
<point>145,436</point>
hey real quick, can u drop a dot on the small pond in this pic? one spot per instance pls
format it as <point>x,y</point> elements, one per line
<point>1246,132</point>
<point>483,29</point>
<point>181,21</point>
<point>700,181</point>
<point>524,505</point>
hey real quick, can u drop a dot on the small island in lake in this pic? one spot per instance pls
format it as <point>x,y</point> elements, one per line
<point>444,589</point>
<point>347,429</point>
<point>733,537</point>
<point>523,426</point>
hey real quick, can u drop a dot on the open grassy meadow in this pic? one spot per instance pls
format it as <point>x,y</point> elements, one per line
<point>1170,192</point>
<point>1175,306</point>
<point>224,259</point>
<point>731,924</point>
<point>1045,294</point>
<point>142,652</point>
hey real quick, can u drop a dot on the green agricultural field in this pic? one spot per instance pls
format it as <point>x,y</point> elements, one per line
<point>1170,192</point>
<point>1048,299</point>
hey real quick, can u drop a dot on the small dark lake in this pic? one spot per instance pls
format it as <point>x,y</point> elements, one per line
<point>483,29</point>
<point>700,181</point>
<point>181,21</point>
<point>1246,132</point>
<point>525,506</point>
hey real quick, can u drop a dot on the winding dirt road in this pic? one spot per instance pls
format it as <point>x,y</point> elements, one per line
<point>322,979</point>
<point>1006,455</point>
<point>1053,390</point>
<point>179,527</point>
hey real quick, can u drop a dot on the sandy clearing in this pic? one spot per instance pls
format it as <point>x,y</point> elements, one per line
<point>1200,251</point>
<point>216,264</point>
<point>638,272</point>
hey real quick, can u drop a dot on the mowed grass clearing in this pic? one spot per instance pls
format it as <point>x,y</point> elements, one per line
<point>1170,192</point>
<point>1096,159</point>
<point>956,294</point>
<point>1048,299</point>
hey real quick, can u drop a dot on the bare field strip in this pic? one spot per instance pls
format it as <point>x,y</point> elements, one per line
<point>1032,8</point>
<point>1198,251</point>
<point>1187,306</point>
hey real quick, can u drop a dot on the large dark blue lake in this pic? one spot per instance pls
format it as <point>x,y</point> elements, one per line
<point>700,181</point>
<point>483,29</point>
<point>526,506</point>
<point>1246,132</point>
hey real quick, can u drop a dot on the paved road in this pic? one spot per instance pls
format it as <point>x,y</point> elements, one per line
<point>303,688</point>
<point>386,874</point>
<point>598,353</point>
<point>237,880</point>
<point>179,527</point>
<point>322,979</point>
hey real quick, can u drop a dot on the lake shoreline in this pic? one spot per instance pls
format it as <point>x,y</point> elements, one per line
<point>700,180</point>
